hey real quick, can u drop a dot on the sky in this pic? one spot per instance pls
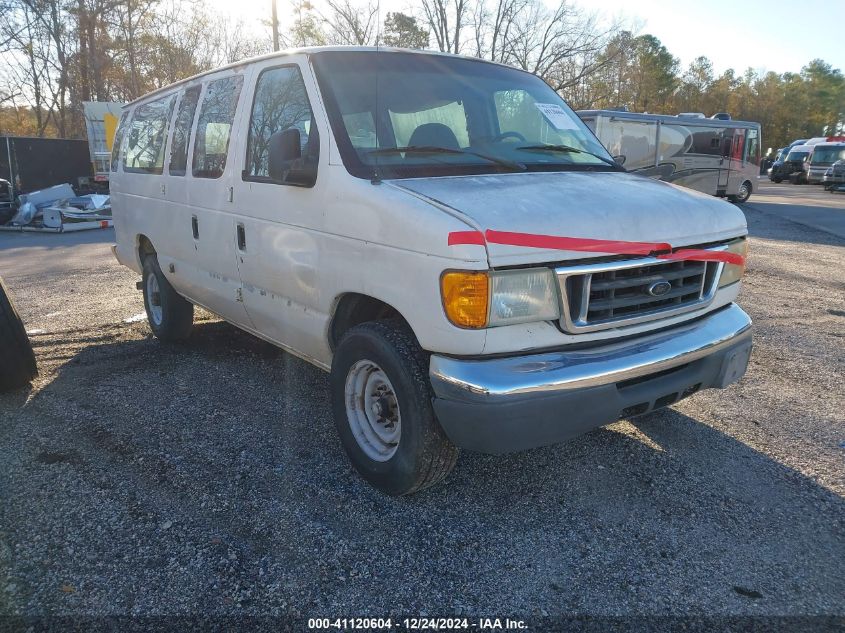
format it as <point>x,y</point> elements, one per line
<point>776,35</point>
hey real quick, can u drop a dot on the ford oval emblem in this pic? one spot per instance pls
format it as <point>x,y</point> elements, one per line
<point>659,288</point>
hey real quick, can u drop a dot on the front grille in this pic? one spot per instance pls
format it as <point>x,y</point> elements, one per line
<point>614,294</point>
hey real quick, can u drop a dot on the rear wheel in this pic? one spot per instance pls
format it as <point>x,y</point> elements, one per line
<point>17,366</point>
<point>382,405</point>
<point>171,317</point>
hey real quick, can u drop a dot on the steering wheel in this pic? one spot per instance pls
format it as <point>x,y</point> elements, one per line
<point>504,135</point>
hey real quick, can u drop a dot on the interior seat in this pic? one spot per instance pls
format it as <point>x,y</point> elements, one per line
<point>434,135</point>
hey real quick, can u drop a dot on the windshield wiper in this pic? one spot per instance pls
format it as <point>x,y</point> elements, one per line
<point>568,149</point>
<point>435,149</point>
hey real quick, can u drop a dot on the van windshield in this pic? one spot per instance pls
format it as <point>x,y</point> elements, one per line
<point>400,115</point>
<point>797,155</point>
<point>827,155</point>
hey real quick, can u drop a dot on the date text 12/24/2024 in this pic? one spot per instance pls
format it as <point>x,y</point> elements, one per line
<point>417,624</point>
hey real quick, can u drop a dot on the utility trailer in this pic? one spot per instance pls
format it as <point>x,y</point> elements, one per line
<point>32,164</point>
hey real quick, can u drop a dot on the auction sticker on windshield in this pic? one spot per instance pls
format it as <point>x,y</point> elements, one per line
<point>557,116</point>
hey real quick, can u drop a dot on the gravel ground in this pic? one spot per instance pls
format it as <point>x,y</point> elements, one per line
<point>145,479</point>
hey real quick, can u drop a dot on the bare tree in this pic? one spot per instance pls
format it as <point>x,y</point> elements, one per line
<point>446,19</point>
<point>350,22</point>
<point>29,45</point>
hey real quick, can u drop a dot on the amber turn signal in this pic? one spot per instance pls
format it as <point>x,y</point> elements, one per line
<point>466,297</point>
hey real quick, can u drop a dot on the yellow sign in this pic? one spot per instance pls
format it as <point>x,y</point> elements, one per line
<point>110,123</point>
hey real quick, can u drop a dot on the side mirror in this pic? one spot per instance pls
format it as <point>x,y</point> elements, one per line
<point>620,159</point>
<point>286,162</point>
<point>284,148</point>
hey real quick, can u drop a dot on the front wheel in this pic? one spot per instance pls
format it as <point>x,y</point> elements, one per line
<point>382,405</point>
<point>17,361</point>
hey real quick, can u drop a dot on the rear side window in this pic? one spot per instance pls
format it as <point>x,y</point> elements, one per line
<point>280,103</point>
<point>182,131</point>
<point>146,135</point>
<point>214,127</point>
<point>118,141</point>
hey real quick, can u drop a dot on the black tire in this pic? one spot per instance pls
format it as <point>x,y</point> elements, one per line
<point>424,455</point>
<point>777,180</point>
<point>743,195</point>
<point>177,314</point>
<point>17,367</point>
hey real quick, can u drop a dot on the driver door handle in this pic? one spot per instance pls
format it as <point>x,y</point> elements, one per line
<point>241,234</point>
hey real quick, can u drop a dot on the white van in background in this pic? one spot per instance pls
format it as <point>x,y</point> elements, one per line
<point>443,234</point>
<point>822,156</point>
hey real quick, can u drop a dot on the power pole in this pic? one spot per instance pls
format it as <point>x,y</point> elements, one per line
<point>275,24</point>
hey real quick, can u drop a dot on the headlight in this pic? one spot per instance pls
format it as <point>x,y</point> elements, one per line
<point>519,296</point>
<point>487,299</point>
<point>732,273</point>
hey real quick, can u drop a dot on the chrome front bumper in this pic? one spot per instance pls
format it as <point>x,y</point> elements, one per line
<point>513,403</point>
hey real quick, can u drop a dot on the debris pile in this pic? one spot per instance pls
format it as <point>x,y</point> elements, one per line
<point>56,209</point>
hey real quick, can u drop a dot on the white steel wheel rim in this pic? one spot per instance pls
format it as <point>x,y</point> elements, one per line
<point>743,191</point>
<point>154,299</point>
<point>372,410</point>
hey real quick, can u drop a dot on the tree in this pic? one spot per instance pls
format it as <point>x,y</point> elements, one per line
<point>350,23</point>
<point>653,75</point>
<point>306,29</point>
<point>694,85</point>
<point>402,31</point>
<point>826,92</point>
<point>446,19</point>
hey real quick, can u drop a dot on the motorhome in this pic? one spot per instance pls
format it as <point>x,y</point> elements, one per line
<point>715,156</point>
<point>443,235</point>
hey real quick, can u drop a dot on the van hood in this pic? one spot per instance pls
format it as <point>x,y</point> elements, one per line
<point>594,205</point>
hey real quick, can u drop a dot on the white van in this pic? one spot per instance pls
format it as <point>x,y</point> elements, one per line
<point>822,156</point>
<point>442,234</point>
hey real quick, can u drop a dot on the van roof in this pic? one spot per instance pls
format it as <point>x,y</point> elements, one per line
<point>306,50</point>
<point>800,148</point>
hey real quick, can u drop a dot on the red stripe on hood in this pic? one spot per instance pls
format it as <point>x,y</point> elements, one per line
<point>587,245</point>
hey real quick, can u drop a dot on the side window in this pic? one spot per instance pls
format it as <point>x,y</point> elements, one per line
<point>281,103</point>
<point>739,141</point>
<point>707,140</point>
<point>635,140</point>
<point>147,133</point>
<point>752,148</point>
<point>214,127</point>
<point>361,129</point>
<point>182,131</point>
<point>118,141</point>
